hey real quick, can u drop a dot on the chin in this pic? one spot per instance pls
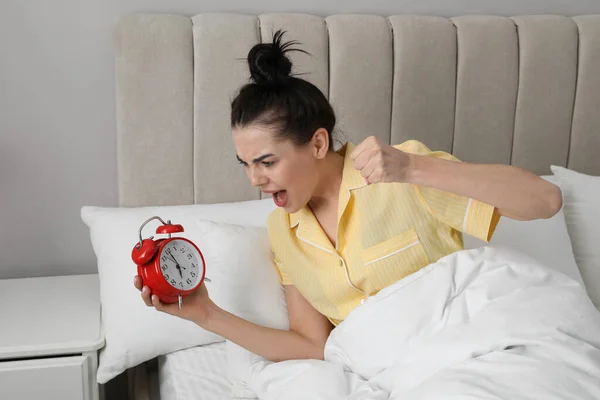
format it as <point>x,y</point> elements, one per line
<point>294,205</point>
<point>291,209</point>
<point>294,208</point>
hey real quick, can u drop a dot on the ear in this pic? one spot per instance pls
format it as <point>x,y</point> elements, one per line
<point>320,143</point>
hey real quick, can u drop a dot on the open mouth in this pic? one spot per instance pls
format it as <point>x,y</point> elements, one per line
<point>280,198</point>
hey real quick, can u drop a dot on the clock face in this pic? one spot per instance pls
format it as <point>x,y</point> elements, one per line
<point>181,264</point>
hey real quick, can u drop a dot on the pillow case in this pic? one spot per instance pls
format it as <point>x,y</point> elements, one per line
<point>581,202</point>
<point>546,240</point>
<point>238,262</point>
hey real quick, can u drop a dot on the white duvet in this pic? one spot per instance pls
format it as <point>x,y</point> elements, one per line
<point>487,323</point>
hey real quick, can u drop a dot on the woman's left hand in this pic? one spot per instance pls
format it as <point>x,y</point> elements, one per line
<point>378,162</point>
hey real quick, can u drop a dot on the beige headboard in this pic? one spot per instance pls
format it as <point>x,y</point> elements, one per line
<point>522,91</point>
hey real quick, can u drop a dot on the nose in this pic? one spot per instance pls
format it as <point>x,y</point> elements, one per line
<point>256,177</point>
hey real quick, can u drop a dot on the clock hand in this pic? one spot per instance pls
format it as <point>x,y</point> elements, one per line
<point>176,263</point>
<point>173,258</point>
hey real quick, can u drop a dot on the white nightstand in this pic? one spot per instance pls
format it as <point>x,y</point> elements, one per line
<point>50,333</point>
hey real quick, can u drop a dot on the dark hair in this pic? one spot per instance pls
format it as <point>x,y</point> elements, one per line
<point>291,107</point>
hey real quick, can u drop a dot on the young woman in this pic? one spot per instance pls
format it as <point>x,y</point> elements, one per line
<point>349,222</point>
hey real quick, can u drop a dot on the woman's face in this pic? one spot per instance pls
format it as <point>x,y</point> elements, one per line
<point>279,168</point>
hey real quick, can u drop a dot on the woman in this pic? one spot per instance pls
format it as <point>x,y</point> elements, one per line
<point>351,222</point>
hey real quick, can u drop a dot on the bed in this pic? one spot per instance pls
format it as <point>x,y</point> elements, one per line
<point>522,91</point>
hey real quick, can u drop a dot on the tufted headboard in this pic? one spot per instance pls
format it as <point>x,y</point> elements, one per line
<point>522,91</point>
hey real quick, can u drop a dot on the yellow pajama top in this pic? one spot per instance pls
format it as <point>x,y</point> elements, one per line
<point>386,231</point>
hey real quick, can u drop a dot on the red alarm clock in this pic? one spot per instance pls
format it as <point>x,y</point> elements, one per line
<point>171,267</point>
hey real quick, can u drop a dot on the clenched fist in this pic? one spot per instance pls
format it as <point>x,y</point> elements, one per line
<point>378,162</point>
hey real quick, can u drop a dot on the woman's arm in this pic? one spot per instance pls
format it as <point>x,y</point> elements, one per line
<point>306,338</point>
<point>515,192</point>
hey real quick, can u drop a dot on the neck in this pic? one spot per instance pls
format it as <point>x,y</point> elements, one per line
<point>330,179</point>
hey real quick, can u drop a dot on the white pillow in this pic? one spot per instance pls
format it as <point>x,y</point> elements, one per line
<point>239,263</point>
<point>581,202</point>
<point>546,240</point>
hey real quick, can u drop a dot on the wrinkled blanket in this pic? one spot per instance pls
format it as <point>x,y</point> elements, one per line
<point>487,323</point>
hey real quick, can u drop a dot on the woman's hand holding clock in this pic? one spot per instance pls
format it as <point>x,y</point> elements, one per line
<point>197,306</point>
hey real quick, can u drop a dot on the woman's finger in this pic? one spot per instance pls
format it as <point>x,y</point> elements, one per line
<point>137,282</point>
<point>367,170</point>
<point>157,303</point>
<point>373,177</point>
<point>146,293</point>
<point>362,159</point>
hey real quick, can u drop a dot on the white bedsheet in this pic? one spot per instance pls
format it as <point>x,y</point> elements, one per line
<point>485,323</point>
<point>195,373</point>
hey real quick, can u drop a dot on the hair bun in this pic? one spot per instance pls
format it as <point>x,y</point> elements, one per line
<point>268,63</point>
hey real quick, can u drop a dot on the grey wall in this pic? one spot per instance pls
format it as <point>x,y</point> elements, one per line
<point>57,131</point>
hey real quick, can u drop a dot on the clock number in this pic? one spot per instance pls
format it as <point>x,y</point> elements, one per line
<point>173,281</point>
<point>164,267</point>
<point>189,281</point>
<point>180,284</point>
<point>167,276</point>
<point>182,249</point>
<point>189,256</point>
<point>193,274</point>
<point>163,258</point>
<point>193,265</point>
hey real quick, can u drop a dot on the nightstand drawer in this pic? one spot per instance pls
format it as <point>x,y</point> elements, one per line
<point>64,378</point>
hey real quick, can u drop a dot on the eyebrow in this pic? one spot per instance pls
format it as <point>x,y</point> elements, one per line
<point>256,160</point>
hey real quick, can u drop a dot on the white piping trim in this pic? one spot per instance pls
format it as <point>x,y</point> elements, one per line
<point>337,239</point>
<point>348,278</point>
<point>391,254</point>
<point>314,244</point>
<point>330,252</point>
<point>464,227</point>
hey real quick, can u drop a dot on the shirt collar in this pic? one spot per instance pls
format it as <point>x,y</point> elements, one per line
<point>351,179</point>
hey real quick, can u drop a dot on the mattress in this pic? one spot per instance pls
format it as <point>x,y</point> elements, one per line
<point>195,373</point>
